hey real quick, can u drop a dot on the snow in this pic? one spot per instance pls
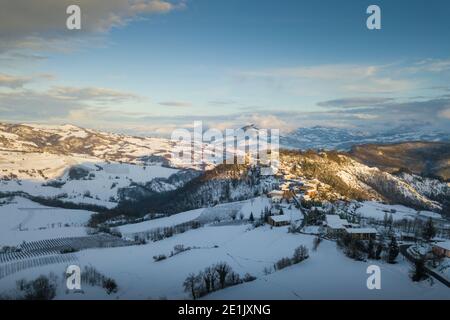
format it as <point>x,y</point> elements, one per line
<point>34,170</point>
<point>335,222</point>
<point>24,220</point>
<point>327,274</point>
<point>444,245</point>
<point>444,268</point>
<point>205,215</point>
<point>170,221</point>
<point>360,230</point>
<point>293,216</point>
<point>377,210</point>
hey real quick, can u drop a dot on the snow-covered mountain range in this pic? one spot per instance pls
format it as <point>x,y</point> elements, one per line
<point>84,166</point>
<point>330,138</point>
<point>60,184</point>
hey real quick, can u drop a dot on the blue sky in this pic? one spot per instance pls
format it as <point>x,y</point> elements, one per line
<point>282,63</point>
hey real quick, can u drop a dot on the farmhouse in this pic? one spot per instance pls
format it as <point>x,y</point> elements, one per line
<point>275,193</point>
<point>288,196</point>
<point>361,233</point>
<point>276,199</point>
<point>284,219</point>
<point>335,225</point>
<point>442,248</point>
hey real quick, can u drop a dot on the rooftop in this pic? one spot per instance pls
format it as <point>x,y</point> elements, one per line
<point>444,245</point>
<point>335,222</point>
<point>361,230</point>
<point>293,216</point>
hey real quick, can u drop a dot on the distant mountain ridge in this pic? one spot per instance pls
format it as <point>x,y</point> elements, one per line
<point>331,138</point>
<point>421,158</point>
<point>82,166</point>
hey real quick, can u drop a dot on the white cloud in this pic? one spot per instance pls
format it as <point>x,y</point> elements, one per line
<point>319,72</point>
<point>431,65</point>
<point>95,94</point>
<point>175,104</point>
<point>12,82</point>
<point>67,103</point>
<point>334,79</point>
<point>445,113</point>
<point>39,24</point>
<point>16,82</point>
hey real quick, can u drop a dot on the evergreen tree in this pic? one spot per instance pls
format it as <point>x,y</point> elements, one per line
<point>379,251</point>
<point>429,231</point>
<point>251,218</point>
<point>393,251</point>
<point>390,221</point>
<point>371,249</point>
<point>419,271</point>
<point>385,220</point>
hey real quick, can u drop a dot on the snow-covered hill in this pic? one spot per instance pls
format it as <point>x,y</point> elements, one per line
<point>326,274</point>
<point>79,165</point>
<point>83,166</point>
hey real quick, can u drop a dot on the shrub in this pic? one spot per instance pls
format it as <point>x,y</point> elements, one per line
<point>267,270</point>
<point>301,253</point>
<point>248,278</point>
<point>283,263</point>
<point>110,285</point>
<point>316,242</point>
<point>179,248</point>
<point>419,271</point>
<point>68,250</point>
<point>42,288</point>
<point>159,257</point>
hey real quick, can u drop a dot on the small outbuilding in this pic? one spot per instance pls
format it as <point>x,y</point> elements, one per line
<point>442,248</point>
<point>361,233</point>
<point>284,219</point>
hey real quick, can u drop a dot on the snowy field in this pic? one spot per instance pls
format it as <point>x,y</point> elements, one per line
<point>99,188</point>
<point>220,212</point>
<point>24,220</point>
<point>327,274</point>
<point>160,222</point>
<point>377,210</point>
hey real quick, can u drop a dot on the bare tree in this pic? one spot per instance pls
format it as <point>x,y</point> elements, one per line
<point>222,269</point>
<point>209,279</point>
<point>190,285</point>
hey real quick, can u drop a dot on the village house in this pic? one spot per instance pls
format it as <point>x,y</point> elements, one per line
<point>279,221</point>
<point>335,226</point>
<point>288,195</point>
<point>408,236</point>
<point>284,219</point>
<point>442,248</point>
<point>361,233</point>
<point>275,193</point>
<point>276,199</point>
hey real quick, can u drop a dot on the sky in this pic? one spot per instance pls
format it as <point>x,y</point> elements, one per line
<point>152,66</point>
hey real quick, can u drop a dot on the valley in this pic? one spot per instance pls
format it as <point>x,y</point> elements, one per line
<point>121,209</point>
